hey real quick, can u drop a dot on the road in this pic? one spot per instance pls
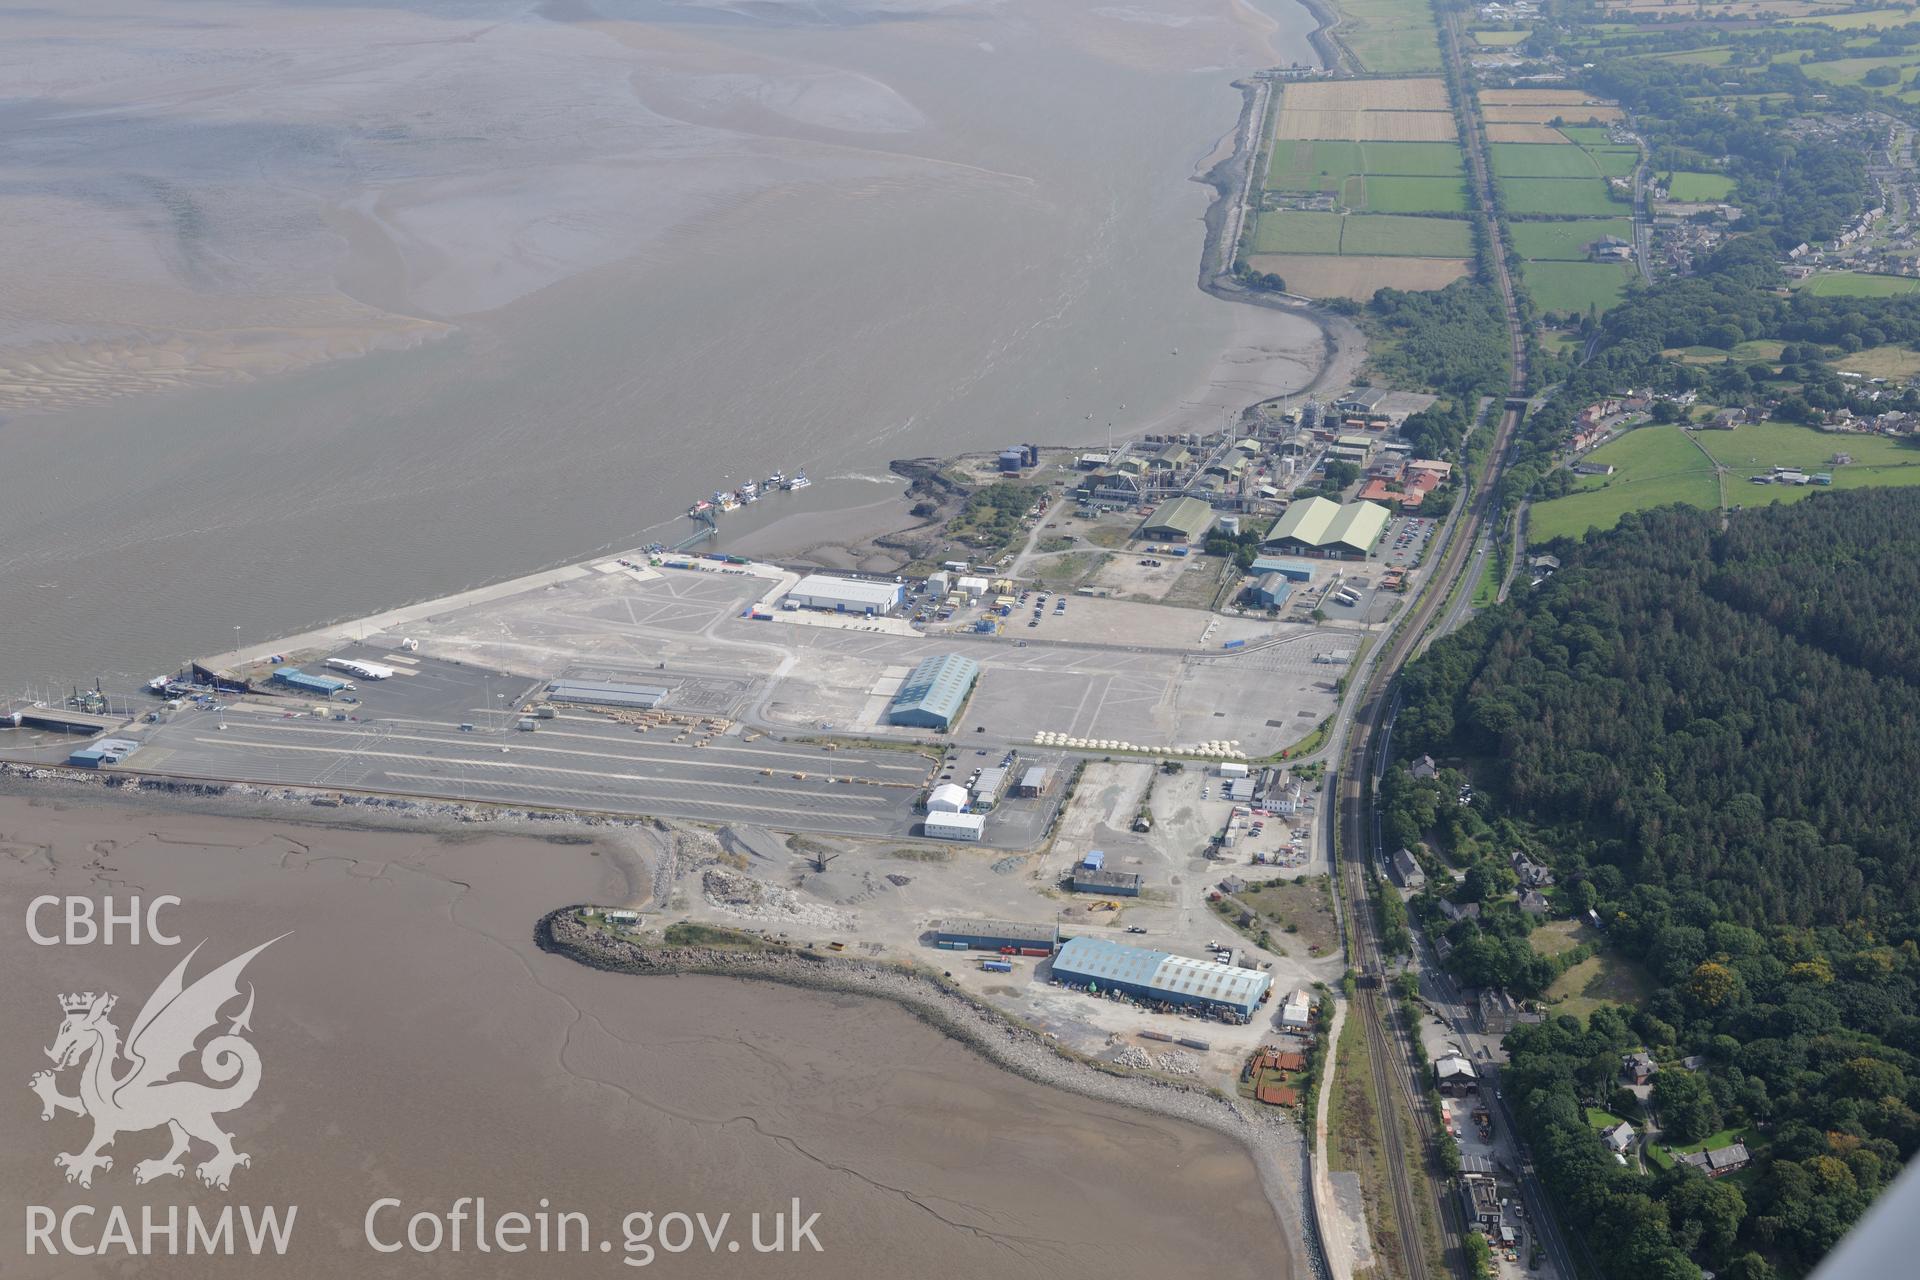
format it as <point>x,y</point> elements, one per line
<point>1388,1042</point>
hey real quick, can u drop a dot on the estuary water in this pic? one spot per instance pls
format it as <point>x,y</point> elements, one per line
<point>312,309</point>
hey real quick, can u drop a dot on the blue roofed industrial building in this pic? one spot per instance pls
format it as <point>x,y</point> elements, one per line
<point>934,692</point>
<point>1160,976</point>
<point>295,678</point>
<point>1270,592</point>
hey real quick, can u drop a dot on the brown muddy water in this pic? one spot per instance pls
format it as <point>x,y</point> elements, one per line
<point>314,309</point>
<point>415,1044</point>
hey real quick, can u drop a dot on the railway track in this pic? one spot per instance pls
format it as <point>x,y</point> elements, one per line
<point>1396,1080</point>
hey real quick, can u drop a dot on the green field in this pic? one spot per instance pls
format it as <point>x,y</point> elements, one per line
<point>1616,162</point>
<point>1364,234</point>
<point>1856,284</point>
<point>1500,39</point>
<point>1575,286</point>
<point>1291,232</point>
<point>1659,465</point>
<point>1559,195</point>
<point>1322,166</point>
<point>1700,186</point>
<point>1602,978</point>
<point>1760,447</point>
<point>1377,233</point>
<point>1882,18</point>
<point>1655,466</point>
<point>1587,135</point>
<point>1853,71</point>
<point>1412,195</point>
<point>1542,160</point>
<point>1566,241</point>
<point>1880,362</point>
<point>1756,350</point>
<point>1390,36</point>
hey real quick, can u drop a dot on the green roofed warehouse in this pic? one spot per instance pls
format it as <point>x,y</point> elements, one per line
<point>933,692</point>
<point>1181,520</point>
<point>1320,527</point>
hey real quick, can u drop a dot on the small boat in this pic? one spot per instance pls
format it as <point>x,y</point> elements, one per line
<point>799,481</point>
<point>775,481</point>
<point>749,491</point>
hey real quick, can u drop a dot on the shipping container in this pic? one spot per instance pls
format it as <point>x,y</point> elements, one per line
<point>1035,951</point>
<point>1234,644</point>
<point>996,966</point>
<point>951,946</point>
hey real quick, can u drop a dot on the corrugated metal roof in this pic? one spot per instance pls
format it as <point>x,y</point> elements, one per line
<point>1189,516</point>
<point>1321,522</point>
<point>1098,960</point>
<point>856,590</point>
<point>1010,929</point>
<point>607,693</point>
<point>937,686</point>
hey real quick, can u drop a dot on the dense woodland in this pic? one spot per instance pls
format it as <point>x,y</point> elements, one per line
<point>1712,737</point>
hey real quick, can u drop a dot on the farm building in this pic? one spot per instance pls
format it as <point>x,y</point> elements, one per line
<point>296,679</point>
<point>954,826</point>
<point>934,691</point>
<point>993,935</point>
<point>845,595</point>
<point>1145,974</point>
<point>1321,527</point>
<point>948,797</point>
<point>1121,884</point>
<point>607,694</point>
<point>1181,520</point>
<point>1270,592</point>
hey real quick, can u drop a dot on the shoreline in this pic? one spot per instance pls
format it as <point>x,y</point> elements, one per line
<point>1278,1150</point>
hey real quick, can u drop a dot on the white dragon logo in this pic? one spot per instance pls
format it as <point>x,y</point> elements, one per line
<point>145,1095</point>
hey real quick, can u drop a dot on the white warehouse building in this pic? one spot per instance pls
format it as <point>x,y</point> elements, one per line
<point>845,595</point>
<point>948,797</point>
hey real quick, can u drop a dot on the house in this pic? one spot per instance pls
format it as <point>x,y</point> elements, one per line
<point>1619,1139</point>
<point>1719,1161</point>
<point>1638,1068</point>
<point>1459,910</point>
<point>1406,871</point>
<point>1531,874</point>
<point>1423,769</point>
<point>1501,1013</point>
<point>1534,903</point>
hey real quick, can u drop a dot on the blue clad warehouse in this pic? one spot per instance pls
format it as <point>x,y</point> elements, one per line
<point>1160,976</point>
<point>933,692</point>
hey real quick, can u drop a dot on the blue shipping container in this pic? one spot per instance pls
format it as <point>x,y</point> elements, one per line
<point>996,966</point>
<point>1234,644</point>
